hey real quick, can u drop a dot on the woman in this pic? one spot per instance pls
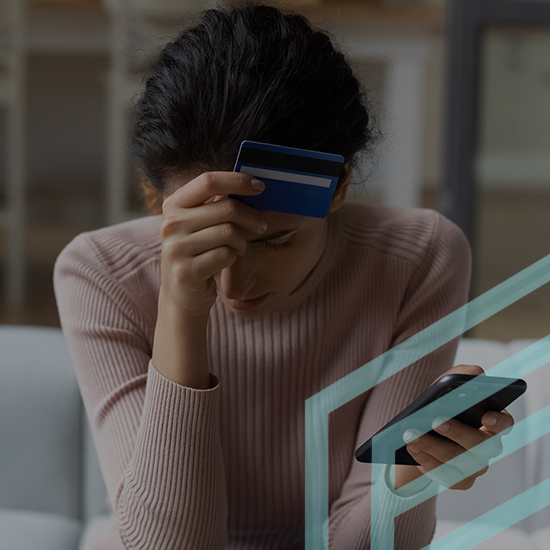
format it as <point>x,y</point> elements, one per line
<point>198,333</point>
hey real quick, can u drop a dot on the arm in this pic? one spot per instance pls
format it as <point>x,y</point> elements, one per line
<point>155,422</point>
<point>438,286</point>
<point>157,441</point>
<point>179,349</point>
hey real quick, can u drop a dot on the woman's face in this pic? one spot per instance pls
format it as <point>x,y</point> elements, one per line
<point>275,264</point>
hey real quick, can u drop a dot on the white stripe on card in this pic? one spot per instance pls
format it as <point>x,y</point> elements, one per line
<point>285,176</point>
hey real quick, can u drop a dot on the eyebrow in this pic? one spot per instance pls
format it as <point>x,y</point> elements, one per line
<point>276,235</point>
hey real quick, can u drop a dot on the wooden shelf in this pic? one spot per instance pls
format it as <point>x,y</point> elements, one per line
<point>67,5</point>
<point>379,13</point>
<point>376,11</point>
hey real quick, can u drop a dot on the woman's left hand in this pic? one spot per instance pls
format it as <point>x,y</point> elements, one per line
<point>432,452</point>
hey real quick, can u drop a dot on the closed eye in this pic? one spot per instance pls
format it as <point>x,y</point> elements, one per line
<point>276,246</point>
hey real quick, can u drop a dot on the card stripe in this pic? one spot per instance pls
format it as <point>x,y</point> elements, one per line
<point>286,176</point>
<point>290,162</point>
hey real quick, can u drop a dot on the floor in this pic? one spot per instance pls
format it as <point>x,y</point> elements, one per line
<point>513,233</point>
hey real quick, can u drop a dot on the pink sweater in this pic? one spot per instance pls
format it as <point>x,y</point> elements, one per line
<point>224,468</point>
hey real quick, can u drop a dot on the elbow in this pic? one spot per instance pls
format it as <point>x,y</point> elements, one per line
<point>143,524</point>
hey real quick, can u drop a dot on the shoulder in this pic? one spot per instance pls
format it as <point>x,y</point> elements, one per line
<point>110,272</point>
<point>410,234</point>
<point>114,250</point>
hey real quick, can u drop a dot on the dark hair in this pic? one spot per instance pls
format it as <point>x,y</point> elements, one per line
<point>251,72</point>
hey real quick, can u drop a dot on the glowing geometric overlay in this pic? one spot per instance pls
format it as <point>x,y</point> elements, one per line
<point>523,433</point>
<point>319,406</point>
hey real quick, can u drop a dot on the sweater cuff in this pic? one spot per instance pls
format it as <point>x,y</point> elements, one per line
<point>214,380</point>
<point>411,489</point>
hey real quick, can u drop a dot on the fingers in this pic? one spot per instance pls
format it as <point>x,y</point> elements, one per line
<point>466,369</point>
<point>201,234</point>
<point>466,437</point>
<point>444,474</point>
<point>462,434</point>
<point>475,370</point>
<point>210,184</point>
<point>444,450</point>
<point>467,456</point>
<point>213,237</point>
<point>180,219</point>
<point>497,422</point>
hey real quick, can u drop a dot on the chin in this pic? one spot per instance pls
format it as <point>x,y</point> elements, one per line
<point>246,309</point>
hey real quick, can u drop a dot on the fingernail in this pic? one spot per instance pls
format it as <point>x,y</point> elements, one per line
<point>263,226</point>
<point>441,424</point>
<point>414,449</point>
<point>257,184</point>
<point>411,435</point>
<point>491,420</point>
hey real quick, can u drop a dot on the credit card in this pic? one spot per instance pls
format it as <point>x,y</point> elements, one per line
<point>297,181</point>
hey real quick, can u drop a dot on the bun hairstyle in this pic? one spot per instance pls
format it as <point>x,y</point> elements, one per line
<point>251,72</point>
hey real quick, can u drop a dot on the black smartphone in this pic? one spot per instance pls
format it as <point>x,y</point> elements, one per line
<point>501,392</point>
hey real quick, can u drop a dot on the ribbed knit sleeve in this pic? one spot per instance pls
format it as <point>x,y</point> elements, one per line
<point>439,285</point>
<point>158,442</point>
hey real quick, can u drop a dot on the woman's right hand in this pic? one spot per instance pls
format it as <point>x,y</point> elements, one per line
<point>202,232</point>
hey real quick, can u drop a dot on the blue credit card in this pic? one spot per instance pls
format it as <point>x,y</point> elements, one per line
<point>297,181</point>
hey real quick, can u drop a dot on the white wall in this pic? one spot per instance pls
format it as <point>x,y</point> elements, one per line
<point>515,100</point>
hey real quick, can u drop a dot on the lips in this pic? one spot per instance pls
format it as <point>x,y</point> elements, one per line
<point>246,304</point>
<point>244,299</point>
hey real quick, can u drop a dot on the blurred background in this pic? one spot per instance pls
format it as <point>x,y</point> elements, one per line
<point>70,68</point>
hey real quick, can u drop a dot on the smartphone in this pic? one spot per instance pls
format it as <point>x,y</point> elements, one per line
<point>502,391</point>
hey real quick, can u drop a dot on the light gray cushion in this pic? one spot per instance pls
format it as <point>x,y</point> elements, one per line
<point>23,530</point>
<point>95,493</point>
<point>91,531</point>
<point>509,539</point>
<point>40,418</point>
<point>541,539</point>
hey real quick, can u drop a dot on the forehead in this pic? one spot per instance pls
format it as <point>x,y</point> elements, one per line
<point>278,221</point>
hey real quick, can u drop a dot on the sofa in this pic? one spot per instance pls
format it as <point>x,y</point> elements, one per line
<point>52,494</point>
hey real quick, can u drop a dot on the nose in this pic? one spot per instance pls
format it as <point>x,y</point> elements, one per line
<point>238,280</point>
